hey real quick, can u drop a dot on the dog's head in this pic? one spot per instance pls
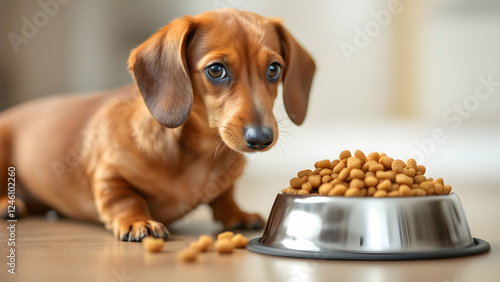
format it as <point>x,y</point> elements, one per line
<point>232,61</point>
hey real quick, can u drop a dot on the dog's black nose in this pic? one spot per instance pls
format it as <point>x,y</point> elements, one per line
<point>258,137</point>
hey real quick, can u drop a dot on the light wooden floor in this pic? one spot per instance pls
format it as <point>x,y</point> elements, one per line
<point>66,250</point>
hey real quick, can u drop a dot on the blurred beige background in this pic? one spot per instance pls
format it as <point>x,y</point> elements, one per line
<point>412,78</point>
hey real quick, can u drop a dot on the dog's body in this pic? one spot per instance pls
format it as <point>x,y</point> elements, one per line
<point>144,155</point>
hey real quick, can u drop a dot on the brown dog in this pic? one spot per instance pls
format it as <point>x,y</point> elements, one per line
<point>142,156</point>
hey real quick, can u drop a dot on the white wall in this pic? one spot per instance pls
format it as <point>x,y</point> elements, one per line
<point>84,47</point>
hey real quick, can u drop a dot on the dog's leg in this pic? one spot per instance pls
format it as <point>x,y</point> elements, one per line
<point>124,211</point>
<point>225,209</point>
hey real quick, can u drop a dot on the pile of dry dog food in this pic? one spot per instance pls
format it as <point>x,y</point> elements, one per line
<point>375,175</point>
<point>225,244</point>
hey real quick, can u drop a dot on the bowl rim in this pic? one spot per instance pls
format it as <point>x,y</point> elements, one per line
<point>479,246</point>
<point>369,197</point>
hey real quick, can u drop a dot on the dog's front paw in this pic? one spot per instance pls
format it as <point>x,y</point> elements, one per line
<point>244,221</point>
<point>135,230</point>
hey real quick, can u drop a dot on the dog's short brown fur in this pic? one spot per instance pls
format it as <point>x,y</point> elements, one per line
<point>142,156</point>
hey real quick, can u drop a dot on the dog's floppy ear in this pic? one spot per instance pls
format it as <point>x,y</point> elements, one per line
<point>298,74</point>
<point>160,71</point>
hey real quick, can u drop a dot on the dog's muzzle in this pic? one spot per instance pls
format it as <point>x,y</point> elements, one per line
<point>258,137</point>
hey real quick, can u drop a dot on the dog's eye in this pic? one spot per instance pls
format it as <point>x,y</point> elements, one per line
<point>273,72</point>
<point>216,71</point>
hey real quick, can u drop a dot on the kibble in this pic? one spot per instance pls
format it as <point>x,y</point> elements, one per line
<point>368,164</point>
<point>398,166</point>
<point>372,175</point>
<point>324,189</point>
<point>152,244</point>
<point>438,188</point>
<point>338,190</point>
<point>370,191</point>
<point>303,173</point>
<point>325,171</point>
<point>225,235</point>
<point>352,192</point>
<point>360,155</point>
<point>404,179</point>
<point>384,185</point>
<point>447,189</point>
<point>325,179</point>
<point>239,241</point>
<point>376,167</point>
<point>356,173</point>
<point>394,186</point>
<point>380,193</point>
<point>386,162</point>
<point>344,155</point>
<point>404,190</point>
<point>371,181</point>
<point>420,192</point>
<point>315,180</point>
<point>204,243</point>
<point>426,185</point>
<point>297,182</point>
<point>353,163</point>
<point>393,193</point>
<point>339,167</point>
<point>307,186</point>
<point>411,163</point>
<point>343,174</point>
<point>389,175</point>
<point>420,169</point>
<point>411,172</point>
<point>187,255</point>
<point>373,156</point>
<point>357,183</point>
<point>322,164</point>
<point>225,244</point>
<point>419,179</point>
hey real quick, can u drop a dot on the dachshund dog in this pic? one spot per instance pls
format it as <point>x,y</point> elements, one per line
<point>140,157</point>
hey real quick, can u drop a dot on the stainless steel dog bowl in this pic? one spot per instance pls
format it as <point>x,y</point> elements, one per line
<point>367,228</point>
